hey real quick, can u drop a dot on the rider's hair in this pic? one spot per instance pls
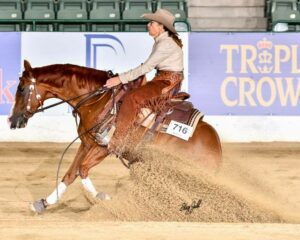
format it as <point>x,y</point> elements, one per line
<point>175,37</point>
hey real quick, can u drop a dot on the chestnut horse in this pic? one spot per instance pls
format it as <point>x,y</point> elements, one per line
<point>69,83</point>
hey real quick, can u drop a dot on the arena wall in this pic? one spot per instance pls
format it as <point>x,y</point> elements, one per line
<point>247,84</point>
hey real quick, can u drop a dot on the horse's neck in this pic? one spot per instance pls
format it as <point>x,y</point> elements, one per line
<point>70,89</point>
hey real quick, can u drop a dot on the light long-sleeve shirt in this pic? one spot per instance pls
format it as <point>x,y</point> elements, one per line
<point>166,55</point>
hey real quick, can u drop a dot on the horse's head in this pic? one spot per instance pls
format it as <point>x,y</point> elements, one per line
<point>64,81</point>
<point>27,99</point>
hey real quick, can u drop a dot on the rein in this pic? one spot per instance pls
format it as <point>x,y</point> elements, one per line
<point>84,100</point>
<point>78,105</point>
<point>90,95</point>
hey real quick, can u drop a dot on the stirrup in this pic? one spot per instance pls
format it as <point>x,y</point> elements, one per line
<point>103,138</point>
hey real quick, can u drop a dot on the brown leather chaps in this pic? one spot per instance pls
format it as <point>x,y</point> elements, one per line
<point>162,84</point>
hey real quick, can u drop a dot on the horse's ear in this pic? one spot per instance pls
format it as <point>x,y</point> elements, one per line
<point>27,66</point>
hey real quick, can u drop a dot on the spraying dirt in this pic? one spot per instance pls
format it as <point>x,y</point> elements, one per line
<point>257,183</point>
<point>162,187</point>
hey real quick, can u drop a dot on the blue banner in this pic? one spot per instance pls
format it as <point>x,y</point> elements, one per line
<point>245,73</point>
<point>10,59</point>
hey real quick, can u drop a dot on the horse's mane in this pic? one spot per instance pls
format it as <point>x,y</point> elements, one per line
<point>58,74</point>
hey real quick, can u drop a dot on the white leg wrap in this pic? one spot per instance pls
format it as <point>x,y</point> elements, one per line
<point>52,198</point>
<point>88,185</point>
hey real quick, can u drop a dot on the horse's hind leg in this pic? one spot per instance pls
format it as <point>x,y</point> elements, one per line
<point>208,146</point>
<point>40,205</point>
<point>94,157</point>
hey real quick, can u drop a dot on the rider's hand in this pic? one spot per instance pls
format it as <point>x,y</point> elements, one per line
<point>112,82</point>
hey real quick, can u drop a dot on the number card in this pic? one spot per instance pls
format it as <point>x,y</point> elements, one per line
<point>180,130</point>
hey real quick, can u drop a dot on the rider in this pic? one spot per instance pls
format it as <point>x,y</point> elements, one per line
<point>166,57</point>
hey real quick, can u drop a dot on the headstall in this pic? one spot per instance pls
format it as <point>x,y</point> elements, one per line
<point>32,88</point>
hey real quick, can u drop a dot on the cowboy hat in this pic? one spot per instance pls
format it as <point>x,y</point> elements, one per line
<point>164,17</point>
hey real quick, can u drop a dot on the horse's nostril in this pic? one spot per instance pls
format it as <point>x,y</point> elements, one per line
<point>12,126</point>
<point>17,121</point>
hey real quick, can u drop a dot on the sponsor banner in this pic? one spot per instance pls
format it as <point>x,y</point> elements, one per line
<point>10,52</point>
<point>118,52</point>
<point>245,73</point>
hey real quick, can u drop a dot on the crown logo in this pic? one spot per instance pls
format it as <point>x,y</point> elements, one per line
<point>265,69</point>
<point>264,44</point>
<point>265,57</point>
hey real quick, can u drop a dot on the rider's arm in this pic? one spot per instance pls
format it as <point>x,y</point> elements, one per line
<point>160,52</point>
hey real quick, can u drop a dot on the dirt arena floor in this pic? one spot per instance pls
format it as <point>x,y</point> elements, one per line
<point>255,195</point>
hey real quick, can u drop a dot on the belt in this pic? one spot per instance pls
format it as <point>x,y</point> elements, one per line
<point>169,72</point>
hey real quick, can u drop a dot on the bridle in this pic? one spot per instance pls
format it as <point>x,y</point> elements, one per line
<point>33,88</point>
<point>89,95</point>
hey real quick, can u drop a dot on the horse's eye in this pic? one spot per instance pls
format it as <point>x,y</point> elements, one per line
<point>20,89</point>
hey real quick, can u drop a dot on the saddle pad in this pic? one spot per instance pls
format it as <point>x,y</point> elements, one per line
<point>191,118</point>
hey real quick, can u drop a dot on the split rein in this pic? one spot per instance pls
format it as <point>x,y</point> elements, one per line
<point>32,87</point>
<point>89,95</point>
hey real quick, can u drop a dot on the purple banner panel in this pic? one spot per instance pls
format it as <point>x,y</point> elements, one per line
<point>245,73</point>
<point>10,59</point>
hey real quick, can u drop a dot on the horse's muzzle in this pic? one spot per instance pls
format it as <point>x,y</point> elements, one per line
<point>17,121</point>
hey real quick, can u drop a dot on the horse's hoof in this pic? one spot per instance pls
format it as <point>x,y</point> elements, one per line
<point>103,196</point>
<point>38,206</point>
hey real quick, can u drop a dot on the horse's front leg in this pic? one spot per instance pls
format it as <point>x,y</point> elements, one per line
<point>94,157</point>
<point>40,205</point>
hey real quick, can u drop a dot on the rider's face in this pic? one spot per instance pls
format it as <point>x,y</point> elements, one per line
<point>155,28</point>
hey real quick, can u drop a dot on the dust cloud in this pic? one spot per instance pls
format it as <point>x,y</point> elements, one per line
<point>162,187</point>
